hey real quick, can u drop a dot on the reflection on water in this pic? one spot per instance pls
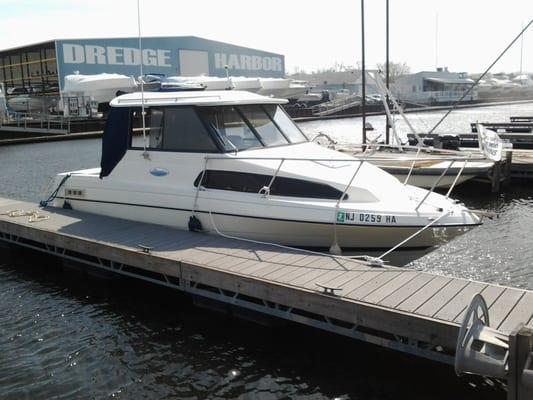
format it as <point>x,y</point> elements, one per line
<point>67,336</point>
<point>349,130</point>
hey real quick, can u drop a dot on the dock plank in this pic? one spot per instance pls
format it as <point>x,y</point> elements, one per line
<point>390,287</point>
<point>321,267</point>
<point>459,303</point>
<point>523,311</point>
<point>425,293</point>
<point>374,284</point>
<point>399,295</point>
<point>503,305</point>
<point>361,280</point>
<point>256,271</point>
<point>6,203</point>
<point>441,298</point>
<point>340,281</point>
<point>285,274</point>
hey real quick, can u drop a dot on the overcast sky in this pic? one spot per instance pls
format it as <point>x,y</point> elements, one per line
<point>311,34</point>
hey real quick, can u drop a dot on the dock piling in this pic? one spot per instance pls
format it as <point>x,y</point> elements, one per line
<point>520,376</point>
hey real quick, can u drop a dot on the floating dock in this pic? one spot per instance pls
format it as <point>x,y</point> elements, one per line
<point>409,311</point>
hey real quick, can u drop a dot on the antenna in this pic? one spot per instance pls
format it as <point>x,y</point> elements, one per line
<point>363,72</point>
<point>145,152</point>
<point>436,41</point>
<point>521,55</point>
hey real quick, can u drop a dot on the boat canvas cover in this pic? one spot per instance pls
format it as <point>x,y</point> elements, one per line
<point>116,139</point>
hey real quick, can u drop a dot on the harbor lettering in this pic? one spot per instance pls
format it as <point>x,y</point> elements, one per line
<point>246,62</point>
<point>111,55</point>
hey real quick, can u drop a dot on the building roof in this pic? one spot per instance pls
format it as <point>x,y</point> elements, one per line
<point>196,98</point>
<point>450,80</point>
<point>189,37</point>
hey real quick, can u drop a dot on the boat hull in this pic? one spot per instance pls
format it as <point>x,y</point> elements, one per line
<point>297,233</point>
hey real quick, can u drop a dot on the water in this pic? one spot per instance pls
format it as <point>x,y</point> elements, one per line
<point>64,335</point>
<point>349,130</point>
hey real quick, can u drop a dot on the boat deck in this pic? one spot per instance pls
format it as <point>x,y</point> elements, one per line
<point>407,310</point>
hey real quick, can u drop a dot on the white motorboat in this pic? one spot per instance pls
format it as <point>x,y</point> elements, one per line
<point>101,88</point>
<point>209,82</point>
<point>420,165</point>
<point>244,83</point>
<point>425,167</point>
<point>233,163</point>
<point>27,103</point>
<point>283,88</point>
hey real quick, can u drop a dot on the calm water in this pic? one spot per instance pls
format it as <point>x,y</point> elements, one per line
<point>65,336</point>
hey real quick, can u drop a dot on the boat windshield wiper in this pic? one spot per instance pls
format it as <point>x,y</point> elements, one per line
<point>235,149</point>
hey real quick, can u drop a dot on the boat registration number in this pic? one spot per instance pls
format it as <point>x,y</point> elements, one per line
<point>353,217</point>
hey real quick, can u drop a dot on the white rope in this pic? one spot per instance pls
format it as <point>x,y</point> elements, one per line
<point>335,248</point>
<point>363,258</point>
<point>34,215</point>
<point>414,234</point>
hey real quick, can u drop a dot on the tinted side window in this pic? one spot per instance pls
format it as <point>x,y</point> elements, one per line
<point>183,131</point>
<point>252,183</point>
<point>155,132</point>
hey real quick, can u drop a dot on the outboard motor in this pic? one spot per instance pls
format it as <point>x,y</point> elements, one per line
<point>447,142</point>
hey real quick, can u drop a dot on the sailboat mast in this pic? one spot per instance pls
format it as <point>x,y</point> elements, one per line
<point>387,125</point>
<point>363,71</point>
<point>521,55</point>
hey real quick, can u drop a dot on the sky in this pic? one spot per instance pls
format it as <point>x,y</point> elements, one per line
<point>463,35</point>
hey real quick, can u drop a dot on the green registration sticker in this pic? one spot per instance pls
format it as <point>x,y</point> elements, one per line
<point>341,216</point>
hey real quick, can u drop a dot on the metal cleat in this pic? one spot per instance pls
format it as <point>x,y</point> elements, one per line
<point>145,249</point>
<point>330,291</point>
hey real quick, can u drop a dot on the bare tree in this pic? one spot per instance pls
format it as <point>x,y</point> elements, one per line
<point>396,69</point>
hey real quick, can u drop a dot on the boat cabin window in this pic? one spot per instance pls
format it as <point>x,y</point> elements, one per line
<point>231,128</point>
<point>264,126</point>
<point>251,126</point>
<point>175,129</point>
<point>253,183</point>
<point>285,124</point>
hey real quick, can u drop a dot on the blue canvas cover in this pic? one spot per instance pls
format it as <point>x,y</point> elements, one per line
<point>116,139</point>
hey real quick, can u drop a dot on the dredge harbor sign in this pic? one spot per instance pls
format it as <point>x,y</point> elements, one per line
<point>111,55</point>
<point>170,56</point>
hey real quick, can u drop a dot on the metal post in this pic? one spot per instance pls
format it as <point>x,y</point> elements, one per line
<point>435,184</point>
<point>363,72</point>
<point>387,122</point>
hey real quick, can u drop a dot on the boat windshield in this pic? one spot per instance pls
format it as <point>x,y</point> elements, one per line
<point>252,126</point>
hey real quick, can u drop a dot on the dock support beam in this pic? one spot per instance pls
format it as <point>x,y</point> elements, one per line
<point>520,378</point>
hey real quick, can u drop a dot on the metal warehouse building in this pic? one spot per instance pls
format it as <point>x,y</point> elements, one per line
<point>41,68</point>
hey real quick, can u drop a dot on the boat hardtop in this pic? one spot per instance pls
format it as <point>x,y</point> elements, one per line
<point>205,98</point>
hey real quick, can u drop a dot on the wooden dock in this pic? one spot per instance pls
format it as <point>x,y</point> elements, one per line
<point>402,309</point>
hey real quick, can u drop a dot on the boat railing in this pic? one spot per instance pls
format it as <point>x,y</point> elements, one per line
<point>359,161</point>
<point>265,191</point>
<point>37,121</point>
